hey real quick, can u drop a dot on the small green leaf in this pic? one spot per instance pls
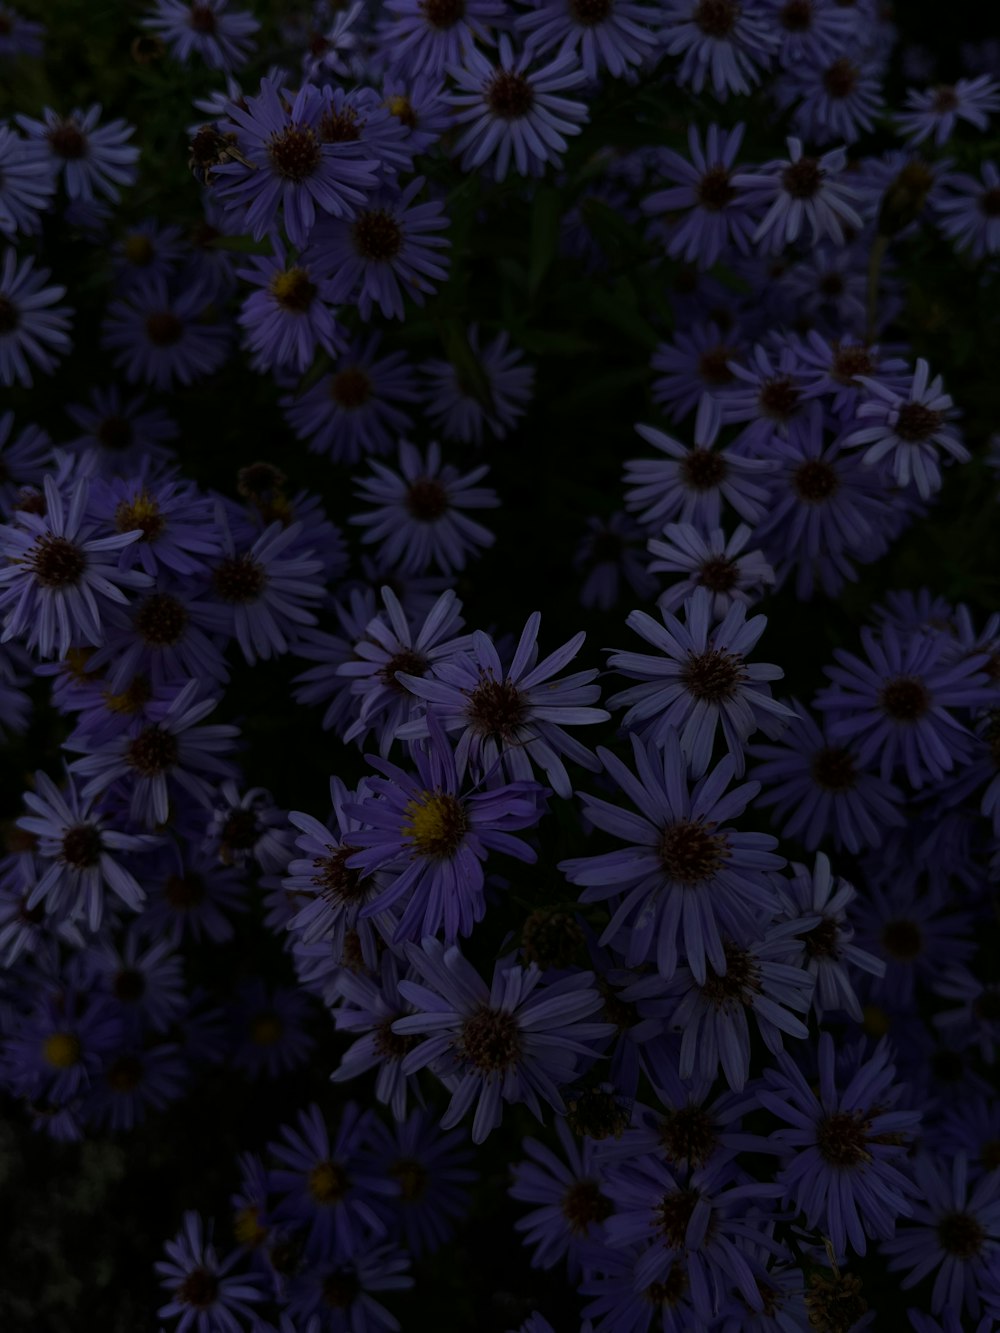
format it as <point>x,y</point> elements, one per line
<point>546,214</point>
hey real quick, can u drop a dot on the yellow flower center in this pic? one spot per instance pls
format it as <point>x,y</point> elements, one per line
<point>266,1030</point>
<point>61,1050</point>
<point>876,1020</point>
<point>247,1228</point>
<point>437,824</point>
<point>139,249</point>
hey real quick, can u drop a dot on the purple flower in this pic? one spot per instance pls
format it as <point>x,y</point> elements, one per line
<point>615,35</point>
<point>685,879</point>
<point>425,36</point>
<point>174,523</point>
<point>30,332</point>
<point>813,30</point>
<point>205,1294</point>
<point>970,214</point>
<point>846,1168</point>
<point>27,183</point>
<point>512,111</point>
<point>418,515</point>
<point>694,364</point>
<point>418,102</point>
<point>723,43</point>
<point>56,1049</point>
<point>192,900</point>
<point>387,247</point>
<point>701,680</point>
<point>221,37</point>
<point>621,1304</point>
<point>289,317</point>
<point>359,115</point>
<point>512,718</point>
<point>710,562</point>
<point>146,981</point>
<point>937,111</point>
<point>612,553</point>
<point>137,1079</point>
<point>25,457</point>
<point>160,337</point>
<point>368,1008</point>
<point>837,99</point>
<point>270,1030</point>
<point>515,1041</point>
<point>247,829</point>
<point>128,436</point>
<point>338,1290</point>
<point>461,403</point>
<point>571,1207</point>
<point>19,36</point>
<point>798,191</point>
<point>92,159</point>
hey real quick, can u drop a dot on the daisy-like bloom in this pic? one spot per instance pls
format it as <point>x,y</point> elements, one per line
<point>368,1006</point>
<point>27,183</point>
<point>722,566</point>
<point>127,434</point>
<point>969,214</point>
<point>433,837</point>
<point>56,1049</point>
<point>206,29</point>
<point>164,638</point>
<point>838,365</point>
<point>515,1041</point>
<point>388,247</point>
<point>25,457</point>
<point>837,100</point>
<point>418,516</point>
<point>290,316</point>
<point>293,172</point>
<point>798,191</point>
<point>723,43</point>
<point>325,1184</point>
<point>910,426</point>
<point>19,36</point>
<point>264,588</point>
<point>333,44</point>
<point>174,523</point>
<point>512,111</point>
<point>898,707</point>
<point>819,790</point>
<point>357,409</point>
<point>571,1207</point>
<point>148,248</point>
<point>136,1080</point>
<point>610,554</point>
<point>488,388</point>
<point>160,337</point>
<point>150,762</point>
<point>953,1230</point>
<point>31,333</point>
<point>707,211</point>
<point>512,718</point>
<point>247,829</point>
<point>701,679</point>
<point>361,116</point>
<point>91,159</point>
<point>937,111</point>
<point>192,901</point>
<point>419,104</point>
<point>814,30</point>
<point>339,1290</point>
<point>392,643</point>
<point>621,1304</point>
<point>59,573</point>
<point>83,850</point>
<point>426,36</point>
<point>269,1030</point>
<point>846,1169</point>
<point>691,483</point>
<point>685,879</point>
<point>694,364</point>
<point>205,1293</point>
<point>770,396</point>
<point>146,981</point>
<point>615,35</point>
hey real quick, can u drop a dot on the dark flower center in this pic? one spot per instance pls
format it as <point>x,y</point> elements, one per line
<point>184,891</point>
<point>851,361</point>
<point>597,1114</point>
<point>442,13</point>
<point>989,202</point>
<point>815,481</point>
<point>961,1234</point>
<point>607,547</point>
<point>163,328</point>
<point>987,1007</point>
<point>583,1205</point>
<point>713,368</point>
<point>426,499</point>
<point>377,236</point>
<point>143,513</point>
<point>336,882</point>
<point>904,699</point>
<point>823,941</point>
<point>902,940</point>
<point>292,290</point>
<point>340,126</point>
<point>328,1182</point>
<point>408,661</point>
<point>341,1289</point>
<point>674,1212</point>
<point>739,982</point>
<point>690,853</point>
<point>491,1040</point>
<point>945,99</point>
<point>990,1154</point>
<point>125,1075</point>
<point>688,1135</point>
<point>841,78</point>
<point>239,579</point>
<point>712,675</point>
<point>161,620</point>
<point>393,1045</point>
<point>496,708</point>
<point>115,432</point>
<point>295,152</point>
<point>203,19</point>
<point>947,1066</point>
<point>412,1177</point>
<point>351,388</point>
<point>716,18</point>
<point>152,752</point>
<point>779,399</point>
<point>703,470</point>
<point>68,141</point>
<point>129,985</point>
<point>139,250</point>
<point>240,831</point>
<point>803,178</point>
<point>714,189</point>
<point>56,562</point>
<point>835,1303</point>
<point>437,824</point>
<point>551,939</point>
<point>266,1029</point>
<point>834,769</point>
<point>199,1289</point>
<point>915,422</point>
<point>10,316</point>
<point>82,846</point>
<point>590,11</point>
<point>842,1138</point>
<point>719,574</point>
<point>665,1295</point>
<point>796,16</point>
<point>509,95</point>
<point>402,108</point>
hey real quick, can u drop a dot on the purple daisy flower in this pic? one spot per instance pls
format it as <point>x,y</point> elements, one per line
<point>205,1293</point>
<point>146,981</point>
<point>192,900</point>
<point>616,35</point>
<point>433,838</point>
<point>138,1079</point>
<point>426,36</point>
<point>609,555</point>
<point>908,425</point>
<point>706,208</point>
<point>621,1304</point>
<point>206,29</point>
<point>969,214</point>
<point>359,115</point>
<point>290,316</point>
<point>701,680</point>
<point>269,1027</point>
<point>147,248</point>
<point>56,1050</point>
<point>722,43</point>
<point>846,1169</point>
<point>513,111</point>
<point>291,168</point>
<point>516,1041</point>
<point>25,457</point>
<point>248,829</point>
<point>27,183</point>
<point>798,191</point>
<point>937,111</point>
<point>512,718</point>
<point>90,158</point>
<point>338,1291</point>
<point>59,573</point>
<point>387,247</point>
<point>837,99</point>
<point>813,30</point>
<point>461,406</point>
<point>571,1207</point>
<point>128,435</point>
<point>321,684</point>
<point>686,879</point>
<point>722,566</point>
<point>694,364</point>
<point>174,523</point>
<point>368,1008</point>
<point>160,337</point>
<point>418,516</point>
<point>19,36</point>
<point>30,332</point>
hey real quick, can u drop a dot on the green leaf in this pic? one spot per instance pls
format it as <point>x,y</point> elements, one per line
<point>546,214</point>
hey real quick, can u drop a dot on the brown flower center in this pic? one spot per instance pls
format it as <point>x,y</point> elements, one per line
<point>56,562</point>
<point>902,940</point>
<point>295,152</point>
<point>597,1114</point>
<point>378,237</point>
<point>442,13</point>
<point>690,853</point>
<point>68,141</point>
<point>239,579</point>
<point>945,99</point>
<point>351,388</point>
<point>589,12</point>
<point>823,941</point>
<point>412,1177</point>
<point>509,95</point>
<point>199,1288</point>
<point>161,620</point>
<point>340,126</point>
<point>738,984</point>
<point>184,891</point>
<point>10,316</point>
<point>293,290</point>
<point>406,660</point>
<point>796,16</point>
<point>713,368</point>
<point>835,1304</point>
<point>496,708</point>
<point>841,78</point>
<point>716,18</point>
<point>129,985</point>
<point>115,432</point>
<point>665,1295</point>
<point>916,423</point>
<point>341,1289</point>
<point>803,178</point>
<point>393,1045</point>
<point>551,939</point>
<point>427,499</point>
<point>152,752</point>
<point>583,1205</point>
<point>491,1040</point>
<point>124,1074</point>
<point>961,1234</point>
<point>203,19</point>
<point>851,361</point>
<point>904,699</point>
<point>815,481</point>
<point>163,328</point>
<point>702,469</point>
<point>82,846</point>
<point>712,676</point>
<point>336,882</point>
<point>718,574</point>
<point>674,1213</point>
<point>714,190</point>
<point>240,830</point>
<point>834,769</point>
<point>779,399</point>
<point>688,1135</point>
<point>842,1138</point>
